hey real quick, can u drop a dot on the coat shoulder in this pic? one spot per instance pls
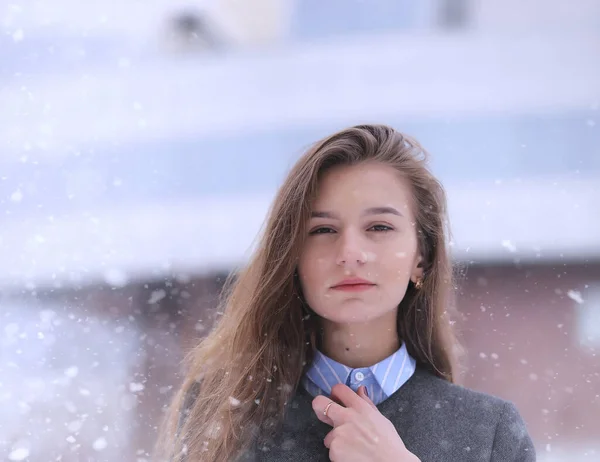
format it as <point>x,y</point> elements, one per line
<point>463,421</point>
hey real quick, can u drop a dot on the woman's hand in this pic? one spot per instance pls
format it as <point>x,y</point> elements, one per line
<point>360,432</point>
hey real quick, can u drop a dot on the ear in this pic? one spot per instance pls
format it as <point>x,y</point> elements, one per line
<point>417,272</point>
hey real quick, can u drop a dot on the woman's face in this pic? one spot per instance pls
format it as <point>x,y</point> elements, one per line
<point>362,229</point>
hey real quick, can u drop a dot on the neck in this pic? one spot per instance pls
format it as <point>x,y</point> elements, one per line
<point>360,345</point>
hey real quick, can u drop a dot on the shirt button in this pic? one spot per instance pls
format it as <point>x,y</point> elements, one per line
<point>359,376</point>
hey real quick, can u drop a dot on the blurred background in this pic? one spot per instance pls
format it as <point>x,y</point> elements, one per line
<point>142,142</point>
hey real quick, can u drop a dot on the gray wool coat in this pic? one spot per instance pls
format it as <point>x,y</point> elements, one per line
<point>438,422</point>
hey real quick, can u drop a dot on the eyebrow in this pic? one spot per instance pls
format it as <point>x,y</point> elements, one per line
<point>370,211</point>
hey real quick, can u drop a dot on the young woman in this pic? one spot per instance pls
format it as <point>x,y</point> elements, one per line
<point>336,341</point>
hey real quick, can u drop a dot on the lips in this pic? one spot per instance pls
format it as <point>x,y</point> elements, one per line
<point>353,284</point>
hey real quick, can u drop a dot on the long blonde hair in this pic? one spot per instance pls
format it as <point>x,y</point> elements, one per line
<point>251,363</point>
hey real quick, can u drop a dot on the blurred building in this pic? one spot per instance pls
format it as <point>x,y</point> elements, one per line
<point>140,147</point>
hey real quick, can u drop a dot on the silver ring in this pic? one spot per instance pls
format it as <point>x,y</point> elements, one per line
<point>327,408</point>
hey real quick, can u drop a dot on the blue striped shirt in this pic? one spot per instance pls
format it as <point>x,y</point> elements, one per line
<point>382,379</point>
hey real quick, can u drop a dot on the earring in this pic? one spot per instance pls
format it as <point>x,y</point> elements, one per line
<point>419,284</point>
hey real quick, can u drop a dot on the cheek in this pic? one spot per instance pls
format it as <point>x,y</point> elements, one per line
<point>313,269</point>
<point>397,265</point>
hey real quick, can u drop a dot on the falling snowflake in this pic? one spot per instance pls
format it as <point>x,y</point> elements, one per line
<point>17,196</point>
<point>18,36</point>
<point>72,372</point>
<point>575,296</point>
<point>100,444</point>
<point>116,277</point>
<point>135,387</point>
<point>19,454</point>
<point>156,296</point>
<point>74,426</point>
<point>508,245</point>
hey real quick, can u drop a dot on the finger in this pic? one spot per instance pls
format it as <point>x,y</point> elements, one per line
<point>336,414</point>
<point>345,395</point>
<point>329,438</point>
<point>362,392</point>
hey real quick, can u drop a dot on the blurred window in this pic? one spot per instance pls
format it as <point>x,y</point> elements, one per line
<point>326,18</point>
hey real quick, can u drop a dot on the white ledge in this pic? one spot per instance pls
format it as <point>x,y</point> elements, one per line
<point>306,85</point>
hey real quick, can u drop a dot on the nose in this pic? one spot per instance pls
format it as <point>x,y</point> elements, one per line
<point>350,251</point>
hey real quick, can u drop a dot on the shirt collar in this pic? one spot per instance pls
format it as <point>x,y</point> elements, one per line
<point>390,373</point>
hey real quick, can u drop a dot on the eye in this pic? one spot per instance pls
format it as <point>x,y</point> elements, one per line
<point>380,228</point>
<point>322,230</point>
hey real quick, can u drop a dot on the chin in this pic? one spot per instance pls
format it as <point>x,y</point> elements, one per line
<point>352,312</point>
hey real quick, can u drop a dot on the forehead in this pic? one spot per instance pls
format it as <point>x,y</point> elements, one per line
<point>371,184</point>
